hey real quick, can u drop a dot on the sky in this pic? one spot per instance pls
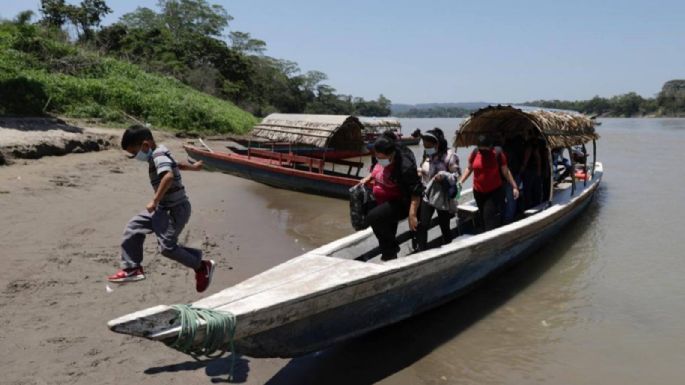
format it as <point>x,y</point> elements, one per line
<point>464,51</point>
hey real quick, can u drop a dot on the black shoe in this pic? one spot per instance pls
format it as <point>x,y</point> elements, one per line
<point>388,257</point>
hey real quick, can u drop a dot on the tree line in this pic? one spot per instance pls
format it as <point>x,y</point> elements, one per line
<point>434,112</point>
<point>670,101</point>
<point>186,39</point>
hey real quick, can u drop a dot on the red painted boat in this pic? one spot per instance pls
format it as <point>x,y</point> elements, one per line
<point>288,171</point>
<point>311,151</point>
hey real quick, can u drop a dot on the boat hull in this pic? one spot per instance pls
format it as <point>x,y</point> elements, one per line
<point>269,173</point>
<point>330,294</point>
<point>430,284</point>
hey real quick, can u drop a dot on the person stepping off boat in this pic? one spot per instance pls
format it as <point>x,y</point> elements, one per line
<point>397,190</point>
<point>439,173</point>
<point>166,215</point>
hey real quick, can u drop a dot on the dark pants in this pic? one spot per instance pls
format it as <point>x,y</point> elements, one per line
<point>425,215</point>
<point>490,207</point>
<point>167,224</point>
<point>512,206</point>
<point>383,220</point>
<point>532,189</point>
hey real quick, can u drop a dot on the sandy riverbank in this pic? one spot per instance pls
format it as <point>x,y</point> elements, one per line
<point>62,219</point>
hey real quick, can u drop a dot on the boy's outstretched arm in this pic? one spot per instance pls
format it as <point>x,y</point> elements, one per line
<point>197,166</point>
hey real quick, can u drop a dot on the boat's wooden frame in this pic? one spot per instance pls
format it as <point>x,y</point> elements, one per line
<point>282,170</point>
<point>243,146</point>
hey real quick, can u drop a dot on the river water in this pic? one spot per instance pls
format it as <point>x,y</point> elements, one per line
<point>603,303</point>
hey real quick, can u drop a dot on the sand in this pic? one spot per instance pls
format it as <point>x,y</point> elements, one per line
<point>34,138</point>
<point>61,222</point>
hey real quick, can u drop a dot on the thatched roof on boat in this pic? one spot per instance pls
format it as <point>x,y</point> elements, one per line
<point>559,128</point>
<point>380,124</point>
<point>341,132</point>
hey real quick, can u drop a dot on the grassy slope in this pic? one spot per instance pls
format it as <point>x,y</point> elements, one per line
<point>40,74</point>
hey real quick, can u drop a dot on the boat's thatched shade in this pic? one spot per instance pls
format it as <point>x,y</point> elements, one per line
<point>559,128</point>
<point>342,132</point>
<point>380,124</point>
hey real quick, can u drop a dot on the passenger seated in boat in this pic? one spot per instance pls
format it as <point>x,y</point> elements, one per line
<point>489,165</point>
<point>531,173</point>
<point>562,166</point>
<point>397,190</point>
<point>439,173</point>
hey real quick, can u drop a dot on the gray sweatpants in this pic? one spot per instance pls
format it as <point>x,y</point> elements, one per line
<point>167,224</point>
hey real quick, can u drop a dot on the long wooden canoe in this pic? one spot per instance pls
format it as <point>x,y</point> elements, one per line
<point>310,151</point>
<point>343,289</point>
<point>288,171</point>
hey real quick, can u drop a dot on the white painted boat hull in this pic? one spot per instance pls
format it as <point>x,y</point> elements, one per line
<point>320,298</point>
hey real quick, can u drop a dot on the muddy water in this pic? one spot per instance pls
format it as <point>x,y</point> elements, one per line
<point>604,303</point>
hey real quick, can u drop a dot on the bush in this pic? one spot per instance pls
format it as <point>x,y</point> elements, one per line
<point>22,96</point>
<point>41,71</point>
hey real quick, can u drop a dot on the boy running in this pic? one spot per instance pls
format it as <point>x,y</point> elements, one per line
<point>166,215</point>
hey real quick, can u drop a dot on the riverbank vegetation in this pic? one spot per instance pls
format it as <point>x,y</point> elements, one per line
<point>171,67</point>
<point>670,101</point>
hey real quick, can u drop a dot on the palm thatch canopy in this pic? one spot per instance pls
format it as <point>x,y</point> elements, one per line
<point>558,128</point>
<point>374,125</point>
<point>342,132</point>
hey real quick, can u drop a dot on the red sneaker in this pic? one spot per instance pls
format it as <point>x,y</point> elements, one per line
<point>127,275</point>
<point>203,275</point>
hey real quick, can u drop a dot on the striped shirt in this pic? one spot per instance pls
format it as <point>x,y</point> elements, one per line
<point>160,163</point>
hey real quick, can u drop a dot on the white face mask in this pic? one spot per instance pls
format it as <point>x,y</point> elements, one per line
<point>143,156</point>
<point>384,162</point>
<point>430,151</point>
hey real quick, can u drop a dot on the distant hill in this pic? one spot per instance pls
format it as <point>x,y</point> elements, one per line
<point>436,110</point>
<point>399,107</point>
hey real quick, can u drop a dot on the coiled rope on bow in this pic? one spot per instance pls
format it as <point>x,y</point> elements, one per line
<point>219,325</point>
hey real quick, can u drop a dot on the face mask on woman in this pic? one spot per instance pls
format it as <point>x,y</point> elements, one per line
<point>430,151</point>
<point>384,162</point>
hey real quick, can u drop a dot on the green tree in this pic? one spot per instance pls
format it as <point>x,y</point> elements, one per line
<point>627,104</point>
<point>142,18</point>
<point>88,16</point>
<point>85,17</point>
<point>54,12</point>
<point>24,17</point>
<point>194,16</point>
<point>671,99</point>
<point>244,43</point>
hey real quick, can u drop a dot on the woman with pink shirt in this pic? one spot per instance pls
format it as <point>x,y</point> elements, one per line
<point>397,190</point>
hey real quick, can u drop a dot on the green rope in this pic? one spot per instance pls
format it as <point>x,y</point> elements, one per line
<point>219,327</point>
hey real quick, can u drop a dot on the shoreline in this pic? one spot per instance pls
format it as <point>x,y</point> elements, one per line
<point>64,217</point>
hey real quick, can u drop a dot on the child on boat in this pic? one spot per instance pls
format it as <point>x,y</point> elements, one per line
<point>166,215</point>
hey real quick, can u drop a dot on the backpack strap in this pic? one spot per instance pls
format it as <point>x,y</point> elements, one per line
<point>498,156</point>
